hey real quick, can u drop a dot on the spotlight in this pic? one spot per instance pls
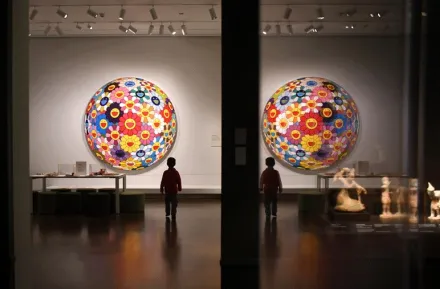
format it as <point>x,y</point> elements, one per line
<point>278,29</point>
<point>102,14</point>
<point>92,13</point>
<point>267,29</point>
<point>89,26</point>
<point>212,13</point>
<point>30,34</point>
<point>309,29</point>
<point>184,31</point>
<point>58,30</point>
<point>378,14</point>
<point>153,13</point>
<point>289,29</point>
<point>78,26</point>
<point>61,13</point>
<point>424,14</point>
<point>132,29</point>
<point>161,29</point>
<point>320,14</point>
<point>122,14</point>
<point>150,29</point>
<point>287,12</point>
<point>47,30</point>
<point>123,29</point>
<point>171,29</point>
<point>350,26</point>
<point>34,13</point>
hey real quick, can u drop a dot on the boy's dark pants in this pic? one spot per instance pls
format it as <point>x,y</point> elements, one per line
<point>271,203</point>
<point>170,204</point>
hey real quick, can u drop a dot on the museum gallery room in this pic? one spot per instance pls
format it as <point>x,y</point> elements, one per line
<point>163,155</point>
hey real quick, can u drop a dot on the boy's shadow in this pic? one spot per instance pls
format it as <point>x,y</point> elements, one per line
<point>171,246</point>
<point>271,248</point>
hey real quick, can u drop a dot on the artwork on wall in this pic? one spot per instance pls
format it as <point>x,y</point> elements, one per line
<point>310,123</point>
<point>130,124</point>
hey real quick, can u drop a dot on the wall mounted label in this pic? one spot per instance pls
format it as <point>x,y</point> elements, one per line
<point>216,141</point>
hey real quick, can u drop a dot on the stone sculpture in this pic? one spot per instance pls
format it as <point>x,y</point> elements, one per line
<point>344,202</point>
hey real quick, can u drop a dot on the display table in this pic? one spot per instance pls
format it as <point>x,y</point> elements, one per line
<point>117,179</point>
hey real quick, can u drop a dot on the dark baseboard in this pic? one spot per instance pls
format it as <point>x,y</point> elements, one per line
<point>207,197</point>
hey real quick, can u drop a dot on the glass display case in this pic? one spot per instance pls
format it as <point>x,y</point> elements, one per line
<point>377,202</point>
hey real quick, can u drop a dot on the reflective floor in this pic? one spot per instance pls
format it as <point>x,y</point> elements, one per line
<point>136,252</point>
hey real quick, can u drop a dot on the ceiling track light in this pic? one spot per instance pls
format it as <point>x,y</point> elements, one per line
<point>79,27</point>
<point>287,12</point>
<point>121,14</point>
<point>161,29</point>
<point>89,26</point>
<point>92,13</point>
<point>378,14</point>
<point>278,29</point>
<point>348,13</point>
<point>318,29</point>
<point>58,30</point>
<point>212,13</point>
<point>153,13</point>
<point>266,29</point>
<point>150,29</point>
<point>350,26</point>
<point>289,29</point>
<point>424,14</point>
<point>47,30</point>
<point>171,29</point>
<point>61,13</point>
<point>132,29</point>
<point>184,31</point>
<point>310,29</point>
<point>320,14</point>
<point>34,13</point>
<point>122,28</point>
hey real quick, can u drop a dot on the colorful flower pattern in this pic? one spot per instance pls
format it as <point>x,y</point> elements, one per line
<point>310,123</point>
<point>130,124</point>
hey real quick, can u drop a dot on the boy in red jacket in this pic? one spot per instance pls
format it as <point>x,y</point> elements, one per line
<point>171,184</point>
<point>270,184</point>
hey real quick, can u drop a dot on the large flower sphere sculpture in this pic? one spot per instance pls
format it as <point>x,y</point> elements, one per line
<point>130,123</point>
<point>310,123</point>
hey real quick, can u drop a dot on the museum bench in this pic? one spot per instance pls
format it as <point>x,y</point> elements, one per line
<point>68,202</point>
<point>131,202</point>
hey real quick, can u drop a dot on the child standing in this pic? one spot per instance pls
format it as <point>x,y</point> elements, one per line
<point>171,184</point>
<point>270,184</point>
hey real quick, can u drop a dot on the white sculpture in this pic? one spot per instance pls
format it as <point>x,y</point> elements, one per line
<point>435,203</point>
<point>400,200</point>
<point>386,198</point>
<point>412,200</point>
<point>343,201</point>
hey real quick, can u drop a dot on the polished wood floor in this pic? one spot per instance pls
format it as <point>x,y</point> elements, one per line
<point>133,252</point>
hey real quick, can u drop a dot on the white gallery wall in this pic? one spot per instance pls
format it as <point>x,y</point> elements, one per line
<point>65,73</point>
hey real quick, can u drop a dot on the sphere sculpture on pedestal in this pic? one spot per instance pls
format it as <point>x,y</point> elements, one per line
<point>310,123</point>
<point>130,124</point>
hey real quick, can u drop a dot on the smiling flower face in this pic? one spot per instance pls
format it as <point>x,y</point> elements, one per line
<point>130,123</point>
<point>310,123</point>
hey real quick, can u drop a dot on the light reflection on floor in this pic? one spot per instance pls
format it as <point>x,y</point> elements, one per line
<point>147,252</point>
